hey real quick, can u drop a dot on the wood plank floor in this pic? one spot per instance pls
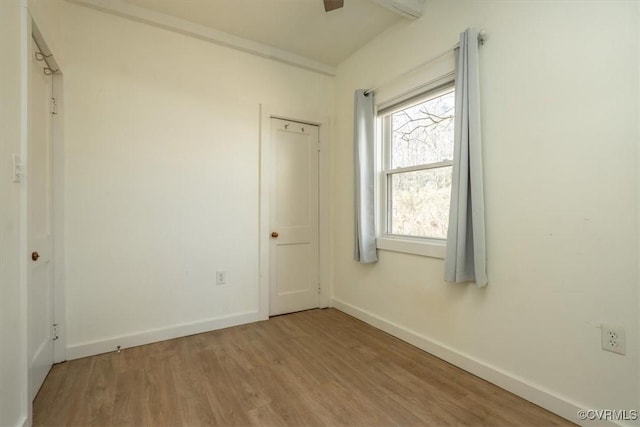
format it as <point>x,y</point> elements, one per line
<point>314,368</point>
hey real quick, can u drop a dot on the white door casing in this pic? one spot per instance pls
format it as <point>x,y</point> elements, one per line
<point>294,205</point>
<point>40,295</point>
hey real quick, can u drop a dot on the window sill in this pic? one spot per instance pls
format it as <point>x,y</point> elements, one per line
<point>429,248</point>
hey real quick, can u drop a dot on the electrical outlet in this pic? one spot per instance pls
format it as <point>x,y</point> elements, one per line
<point>221,277</point>
<point>613,339</point>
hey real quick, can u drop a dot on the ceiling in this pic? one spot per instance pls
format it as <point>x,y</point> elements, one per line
<point>298,26</point>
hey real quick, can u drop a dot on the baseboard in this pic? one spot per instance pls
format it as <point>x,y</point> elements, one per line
<point>548,400</point>
<point>107,345</point>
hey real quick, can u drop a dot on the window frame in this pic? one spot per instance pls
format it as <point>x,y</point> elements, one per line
<point>424,246</point>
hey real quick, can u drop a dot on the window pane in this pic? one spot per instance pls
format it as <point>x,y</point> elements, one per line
<point>420,203</point>
<point>423,133</point>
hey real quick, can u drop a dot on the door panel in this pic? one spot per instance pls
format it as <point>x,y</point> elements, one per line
<point>292,180</point>
<point>293,268</point>
<point>39,226</point>
<point>294,217</point>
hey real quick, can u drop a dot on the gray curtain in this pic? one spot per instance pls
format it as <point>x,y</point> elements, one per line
<point>466,254</point>
<point>363,130</point>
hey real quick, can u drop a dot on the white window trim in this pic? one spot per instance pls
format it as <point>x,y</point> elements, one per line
<point>429,247</point>
<point>433,248</point>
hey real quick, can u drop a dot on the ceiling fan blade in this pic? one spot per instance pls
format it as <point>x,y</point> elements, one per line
<point>330,5</point>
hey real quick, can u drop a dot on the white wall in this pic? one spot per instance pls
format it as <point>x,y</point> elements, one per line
<point>560,112</point>
<point>161,174</point>
<point>13,349</point>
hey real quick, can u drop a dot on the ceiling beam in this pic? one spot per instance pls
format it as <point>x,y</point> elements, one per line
<point>168,22</point>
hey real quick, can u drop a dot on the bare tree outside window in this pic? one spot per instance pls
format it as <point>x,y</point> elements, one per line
<point>419,167</point>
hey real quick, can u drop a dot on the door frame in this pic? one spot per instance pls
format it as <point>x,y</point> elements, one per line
<point>311,118</point>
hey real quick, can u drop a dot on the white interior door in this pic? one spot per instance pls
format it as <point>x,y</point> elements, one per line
<point>39,226</point>
<point>293,281</point>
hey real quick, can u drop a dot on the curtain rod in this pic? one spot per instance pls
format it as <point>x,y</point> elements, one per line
<point>482,36</point>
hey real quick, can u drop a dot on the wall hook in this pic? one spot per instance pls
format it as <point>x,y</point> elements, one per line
<point>41,56</point>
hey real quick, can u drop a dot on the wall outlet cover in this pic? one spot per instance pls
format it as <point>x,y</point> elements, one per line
<point>613,338</point>
<point>221,277</point>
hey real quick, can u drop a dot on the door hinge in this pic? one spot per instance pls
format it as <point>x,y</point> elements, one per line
<point>318,146</point>
<point>54,106</point>
<point>56,331</point>
<point>17,168</point>
<point>319,290</point>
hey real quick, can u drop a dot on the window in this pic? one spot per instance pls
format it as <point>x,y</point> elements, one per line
<point>415,174</point>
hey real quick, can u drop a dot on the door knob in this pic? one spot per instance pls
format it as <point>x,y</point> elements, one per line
<point>274,235</point>
<point>35,255</point>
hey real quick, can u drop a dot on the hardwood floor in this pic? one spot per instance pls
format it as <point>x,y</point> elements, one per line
<point>314,368</point>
